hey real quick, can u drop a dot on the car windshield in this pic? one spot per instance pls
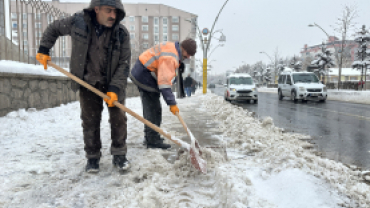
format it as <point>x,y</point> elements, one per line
<point>305,78</point>
<point>241,80</point>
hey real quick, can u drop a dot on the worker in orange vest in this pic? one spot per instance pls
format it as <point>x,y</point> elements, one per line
<point>153,73</point>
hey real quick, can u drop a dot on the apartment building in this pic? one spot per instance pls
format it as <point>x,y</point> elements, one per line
<point>148,24</point>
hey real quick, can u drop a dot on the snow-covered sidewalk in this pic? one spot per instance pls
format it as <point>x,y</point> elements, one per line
<point>43,165</point>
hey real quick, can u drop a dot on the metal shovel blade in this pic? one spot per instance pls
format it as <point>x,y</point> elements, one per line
<point>198,162</point>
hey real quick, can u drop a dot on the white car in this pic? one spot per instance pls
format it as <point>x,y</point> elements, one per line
<point>240,87</point>
<point>301,86</point>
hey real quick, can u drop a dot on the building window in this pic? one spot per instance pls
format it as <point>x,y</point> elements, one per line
<point>25,42</point>
<point>24,34</point>
<point>175,37</point>
<point>145,45</point>
<point>14,25</point>
<point>165,38</point>
<point>175,28</point>
<point>131,19</point>
<point>165,29</point>
<point>156,37</point>
<point>14,15</point>
<point>145,36</point>
<point>38,34</point>
<point>25,16</point>
<point>165,20</point>
<point>50,19</point>
<point>156,29</point>
<point>132,27</point>
<point>25,50</point>
<point>145,28</point>
<point>132,45</point>
<point>132,36</point>
<point>24,25</point>
<point>175,19</point>
<point>144,19</point>
<point>156,21</point>
<point>38,25</point>
<point>38,16</point>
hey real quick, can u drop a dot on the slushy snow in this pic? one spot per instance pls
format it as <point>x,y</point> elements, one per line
<point>43,165</point>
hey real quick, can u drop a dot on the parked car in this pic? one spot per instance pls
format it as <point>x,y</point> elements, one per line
<point>240,87</point>
<point>301,86</point>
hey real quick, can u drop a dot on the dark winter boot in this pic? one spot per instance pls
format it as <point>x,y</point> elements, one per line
<point>158,144</point>
<point>145,142</point>
<point>92,166</point>
<point>121,162</point>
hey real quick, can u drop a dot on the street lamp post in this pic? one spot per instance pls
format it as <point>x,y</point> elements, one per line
<point>206,41</point>
<point>336,53</point>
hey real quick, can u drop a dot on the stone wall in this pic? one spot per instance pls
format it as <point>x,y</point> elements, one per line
<point>35,91</point>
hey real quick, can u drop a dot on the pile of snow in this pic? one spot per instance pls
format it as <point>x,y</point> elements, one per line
<point>277,152</point>
<point>22,68</point>
<point>43,164</point>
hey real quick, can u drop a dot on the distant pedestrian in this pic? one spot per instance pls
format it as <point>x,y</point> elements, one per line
<point>187,85</point>
<point>193,86</point>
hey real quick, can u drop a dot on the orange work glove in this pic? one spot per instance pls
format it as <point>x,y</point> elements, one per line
<point>43,59</point>
<point>174,109</point>
<point>113,97</point>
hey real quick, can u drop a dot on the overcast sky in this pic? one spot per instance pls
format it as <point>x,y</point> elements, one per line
<point>252,26</point>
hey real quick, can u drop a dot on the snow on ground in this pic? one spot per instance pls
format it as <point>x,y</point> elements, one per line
<point>43,165</point>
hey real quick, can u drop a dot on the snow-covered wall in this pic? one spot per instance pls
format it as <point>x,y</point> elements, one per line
<point>30,86</point>
<point>33,91</point>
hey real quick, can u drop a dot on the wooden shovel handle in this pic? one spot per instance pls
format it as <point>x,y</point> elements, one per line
<point>119,105</point>
<point>183,123</point>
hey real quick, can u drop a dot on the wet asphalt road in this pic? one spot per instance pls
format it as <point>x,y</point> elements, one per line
<point>341,131</point>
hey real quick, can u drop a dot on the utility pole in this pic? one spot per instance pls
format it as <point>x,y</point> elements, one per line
<point>206,42</point>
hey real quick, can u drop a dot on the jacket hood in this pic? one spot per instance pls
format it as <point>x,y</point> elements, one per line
<point>114,3</point>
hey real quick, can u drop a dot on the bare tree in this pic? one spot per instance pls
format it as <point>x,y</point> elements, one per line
<point>343,26</point>
<point>276,63</point>
<point>307,62</point>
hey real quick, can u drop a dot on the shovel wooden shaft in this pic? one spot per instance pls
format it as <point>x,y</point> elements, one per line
<point>119,105</point>
<point>183,123</point>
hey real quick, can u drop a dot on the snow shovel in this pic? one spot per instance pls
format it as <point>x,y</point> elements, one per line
<point>193,148</point>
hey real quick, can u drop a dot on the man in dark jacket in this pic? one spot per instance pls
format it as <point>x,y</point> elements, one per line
<point>153,73</point>
<point>101,57</point>
<point>188,84</point>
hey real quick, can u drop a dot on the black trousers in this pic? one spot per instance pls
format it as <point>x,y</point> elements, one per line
<point>91,109</point>
<point>152,111</point>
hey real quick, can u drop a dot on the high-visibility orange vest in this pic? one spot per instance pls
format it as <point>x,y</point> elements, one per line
<point>162,60</point>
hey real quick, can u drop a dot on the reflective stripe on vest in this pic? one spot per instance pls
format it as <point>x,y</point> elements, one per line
<point>164,86</point>
<point>160,55</point>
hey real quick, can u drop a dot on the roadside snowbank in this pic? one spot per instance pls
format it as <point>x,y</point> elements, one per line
<point>361,97</point>
<point>43,165</point>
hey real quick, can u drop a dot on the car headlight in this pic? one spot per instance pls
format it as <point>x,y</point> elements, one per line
<point>232,89</point>
<point>302,89</point>
<point>253,89</point>
<point>324,89</point>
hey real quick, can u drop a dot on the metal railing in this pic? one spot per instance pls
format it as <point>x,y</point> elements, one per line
<point>20,37</point>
